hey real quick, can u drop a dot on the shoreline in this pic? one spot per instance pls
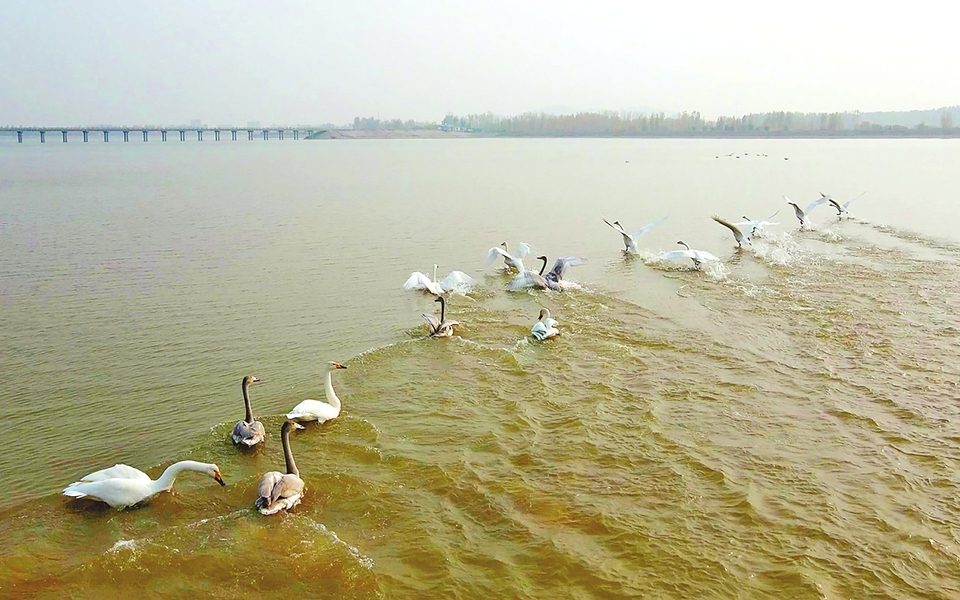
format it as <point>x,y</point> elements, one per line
<point>387,134</point>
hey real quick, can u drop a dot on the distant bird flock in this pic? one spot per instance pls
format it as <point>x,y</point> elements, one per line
<point>122,486</point>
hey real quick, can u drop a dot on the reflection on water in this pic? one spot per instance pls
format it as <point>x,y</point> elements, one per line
<point>781,425</point>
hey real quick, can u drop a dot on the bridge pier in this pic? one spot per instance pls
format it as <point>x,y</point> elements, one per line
<point>163,135</point>
<point>216,135</point>
<point>43,136</point>
<point>86,136</point>
<point>250,134</point>
<point>266,134</point>
<point>183,135</point>
<point>296,134</point>
<point>19,137</point>
<point>233,132</point>
<point>199,136</point>
<point>64,134</point>
<point>144,135</point>
<point>106,135</point>
<point>126,136</point>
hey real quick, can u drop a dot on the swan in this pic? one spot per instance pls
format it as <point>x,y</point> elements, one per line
<point>630,240</point>
<point>455,280</point>
<point>737,234</point>
<point>440,327</point>
<point>803,214</point>
<point>842,208</point>
<point>755,228</point>
<point>697,256</point>
<point>121,486</point>
<point>529,279</point>
<point>545,327</point>
<point>512,261</point>
<point>249,431</point>
<point>279,491</point>
<point>315,410</point>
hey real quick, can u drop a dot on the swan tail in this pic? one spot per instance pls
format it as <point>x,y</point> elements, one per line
<point>281,504</point>
<point>72,491</point>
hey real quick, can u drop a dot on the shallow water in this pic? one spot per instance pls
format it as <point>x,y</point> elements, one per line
<point>782,425</point>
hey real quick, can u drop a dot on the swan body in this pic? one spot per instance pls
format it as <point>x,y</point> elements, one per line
<point>512,261</point>
<point>756,228</point>
<point>738,235</point>
<point>281,491</point>
<point>630,240</point>
<point>315,410</point>
<point>249,431</point>
<point>545,327</point>
<point>697,256</point>
<point>440,327</point>
<point>121,486</point>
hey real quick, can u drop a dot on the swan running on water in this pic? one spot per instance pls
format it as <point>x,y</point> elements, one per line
<point>315,410</point>
<point>249,431</point>
<point>121,486</point>
<point>455,280</point>
<point>545,327</point>
<point>630,240</point>
<point>512,261</point>
<point>440,327</point>
<point>279,491</point>
<point>803,215</point>
<point>842,208</point>
<point>756,228</point>
<point>529,279</point>
<point>737,234</point>
<point>697,256</point>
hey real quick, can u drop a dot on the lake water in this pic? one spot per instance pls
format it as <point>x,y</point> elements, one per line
<point>786,424</point>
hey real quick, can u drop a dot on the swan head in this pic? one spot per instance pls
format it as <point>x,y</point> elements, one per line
<point>438,299</point>
<point>333,366</point>
<point>544,312</point>
<point>214,471</point>
<point>251,379</point>
<point>745,218</point>
<point>288,424</point>
<point>617,223</point>
<point>684,244</point>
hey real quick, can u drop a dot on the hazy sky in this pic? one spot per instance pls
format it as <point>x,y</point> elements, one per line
<point>227,61</point>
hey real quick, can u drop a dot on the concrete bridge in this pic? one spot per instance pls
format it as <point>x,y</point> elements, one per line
<point>251,132</point>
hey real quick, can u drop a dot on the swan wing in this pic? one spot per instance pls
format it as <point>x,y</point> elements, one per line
<point>523,249</point>
<point>703,255</point>
<point>118,471</point>
<point>847,203</point>
<point>823,199</point>
<point>265,489</point>
<point>648,228</point>
<point>118,492</point>
<point>737,234</point>
<point>616,228</point>
<point>494,253</point>
<point>560,267</point>
<point>674,254</point>
<point>288,485</point>
<point>432,320</point>
<point>458,280</point>
<point>417,281</point>
<point>525,280</point>
<point>770,217</point>
<point>248,434</point>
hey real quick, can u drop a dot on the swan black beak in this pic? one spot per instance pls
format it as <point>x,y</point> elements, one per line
<point>339,366</point>
<point>219,479</point>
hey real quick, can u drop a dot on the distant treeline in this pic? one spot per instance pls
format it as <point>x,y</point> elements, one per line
<point>692,124</point>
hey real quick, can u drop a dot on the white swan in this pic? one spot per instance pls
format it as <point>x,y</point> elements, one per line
<point>737,234</point>
<point>121,486</point>
<point>281,491</point>
<point>630,240</point>
<point>249,431</point>
<point>315,410</point>
<point>842,208</point>
<point>512,261</point>
<point>545,327</point>
<point>803,215</point>
<point>454,281</point>
<point>756,228</point>
<point>440,327</point>
<point>697,256</point>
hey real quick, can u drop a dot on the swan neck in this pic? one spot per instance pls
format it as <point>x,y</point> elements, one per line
<point>287,452</point>
<point>246,401</point>
<point>544,259</point>
<point>443,309</point>
<point>165,482</point>
<point>332,399</point>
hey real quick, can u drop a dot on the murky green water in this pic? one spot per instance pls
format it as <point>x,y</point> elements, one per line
<point>786,425</point>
